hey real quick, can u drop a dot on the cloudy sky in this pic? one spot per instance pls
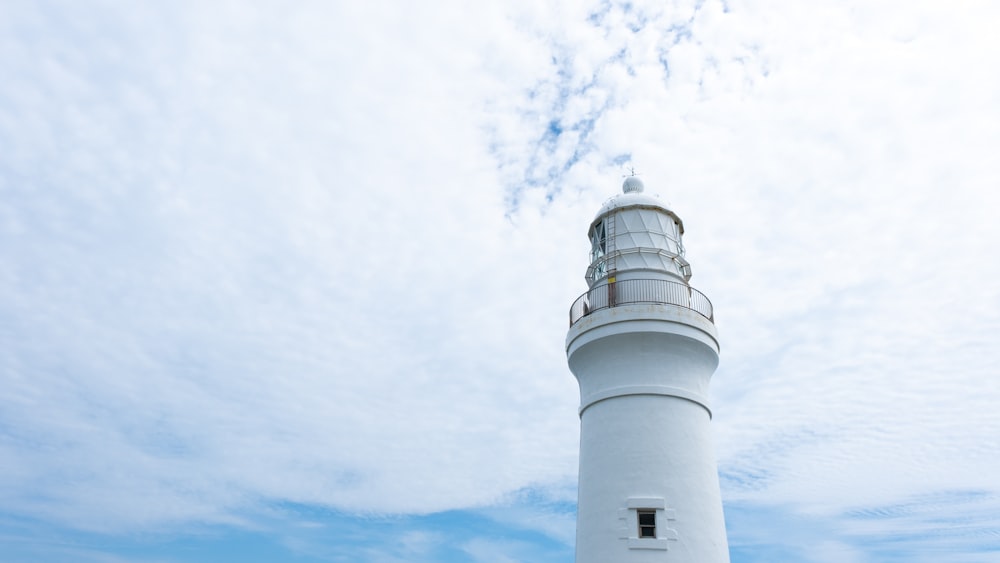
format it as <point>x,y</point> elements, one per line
<point>289,281</point>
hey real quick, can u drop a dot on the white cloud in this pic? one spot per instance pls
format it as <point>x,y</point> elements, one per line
<point>323,253</point>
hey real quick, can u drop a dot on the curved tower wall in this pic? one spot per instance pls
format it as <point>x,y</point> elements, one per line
<point>648,483</point>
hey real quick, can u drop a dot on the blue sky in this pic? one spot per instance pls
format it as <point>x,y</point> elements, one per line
<point>282,281</point>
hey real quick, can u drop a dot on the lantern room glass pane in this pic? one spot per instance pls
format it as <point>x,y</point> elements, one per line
<point>598,242</point>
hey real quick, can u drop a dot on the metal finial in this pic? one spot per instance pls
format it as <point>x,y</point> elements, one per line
<point>631,173</point>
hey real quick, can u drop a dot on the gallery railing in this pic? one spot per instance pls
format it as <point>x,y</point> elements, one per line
<point>626,292</point>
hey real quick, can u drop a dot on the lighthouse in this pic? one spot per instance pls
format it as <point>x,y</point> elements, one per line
<point>643,347</point>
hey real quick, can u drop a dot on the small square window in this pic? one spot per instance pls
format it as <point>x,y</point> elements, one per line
<point>647,523</point>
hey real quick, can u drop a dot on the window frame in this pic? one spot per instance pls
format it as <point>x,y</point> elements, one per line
<point>663,534</point>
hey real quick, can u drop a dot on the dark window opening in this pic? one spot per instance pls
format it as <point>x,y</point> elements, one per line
<point>647,523</point>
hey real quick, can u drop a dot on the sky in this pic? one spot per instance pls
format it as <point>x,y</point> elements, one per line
<point>290,281</point>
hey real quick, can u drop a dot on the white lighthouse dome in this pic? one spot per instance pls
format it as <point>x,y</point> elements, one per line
<point>633,196</point>
<point>632,184</point>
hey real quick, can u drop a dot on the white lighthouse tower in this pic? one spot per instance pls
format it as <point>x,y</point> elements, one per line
<point>643,346</point>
